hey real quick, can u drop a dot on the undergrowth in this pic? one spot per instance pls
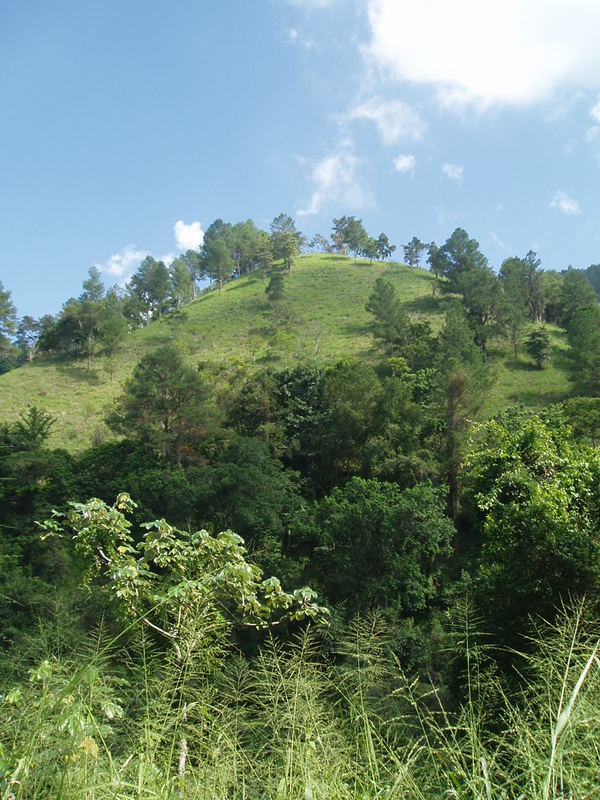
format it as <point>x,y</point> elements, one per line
<point>123,719</point>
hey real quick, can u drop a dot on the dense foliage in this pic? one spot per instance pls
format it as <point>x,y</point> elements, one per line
<point>153,658</point>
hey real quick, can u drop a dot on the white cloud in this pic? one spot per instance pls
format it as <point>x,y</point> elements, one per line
<point>295,37</point>
<point>595,111</point>
<point>493,53</point>
<point>454,172</point>
<point>405,163</point>
<point>335,181</point>
<point>188,237</point>
<point>168,258</point>
<point>566,204</point>
<point>123,264</point>
<point>395,119</point>
<point>310,5</point>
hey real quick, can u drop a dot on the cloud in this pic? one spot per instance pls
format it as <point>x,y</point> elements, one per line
<point>405,163</point>
<point>123,264</point>
<point>168,258</point>
<point>595,111</point>
<point>564,203</point>
<point>295,37</point>
<point>311,5</point>
<point>335,181</point>
<point>188,237</point>
<point>395,119</point>
<point>454,172</point>
<point>496,53</point>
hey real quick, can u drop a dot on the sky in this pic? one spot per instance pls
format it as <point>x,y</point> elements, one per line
<point>128,126</point>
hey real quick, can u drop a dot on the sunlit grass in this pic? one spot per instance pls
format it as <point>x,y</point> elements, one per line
<point>520,381</point>
<point>326,296</point>
<point>293,725</point>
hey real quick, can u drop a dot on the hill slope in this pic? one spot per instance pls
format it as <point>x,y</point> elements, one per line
<point>326,295</point>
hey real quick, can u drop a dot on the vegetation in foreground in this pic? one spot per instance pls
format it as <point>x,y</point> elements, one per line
<point>369,450</point>
<point>119,718</point>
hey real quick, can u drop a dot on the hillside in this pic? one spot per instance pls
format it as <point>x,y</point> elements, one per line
<point>327,296</point>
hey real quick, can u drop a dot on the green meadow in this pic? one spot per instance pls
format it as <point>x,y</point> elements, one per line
<point>325,297</point>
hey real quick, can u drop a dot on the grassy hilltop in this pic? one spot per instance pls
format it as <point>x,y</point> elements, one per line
<point>326,295</point>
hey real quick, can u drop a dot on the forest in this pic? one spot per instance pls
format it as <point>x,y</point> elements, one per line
<point>290,519</point>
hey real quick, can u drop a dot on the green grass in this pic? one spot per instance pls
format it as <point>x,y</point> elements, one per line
<point>289,725</point>
<point>326,295</point>
<point>520,381</point>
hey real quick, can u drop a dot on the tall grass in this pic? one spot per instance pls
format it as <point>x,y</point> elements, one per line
<point>291,724</point>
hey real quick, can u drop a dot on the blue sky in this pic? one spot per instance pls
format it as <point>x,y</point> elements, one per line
<point>128,127</point>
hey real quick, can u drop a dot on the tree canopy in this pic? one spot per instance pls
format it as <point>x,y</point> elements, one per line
<point>8,318</point>
<point>538,493</point>
<point>163,404</point>
<point>459,254</point>
<point>374,540</point>
<point>391,320</point>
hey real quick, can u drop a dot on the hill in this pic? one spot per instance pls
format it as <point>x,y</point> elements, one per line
<point>326,295</point>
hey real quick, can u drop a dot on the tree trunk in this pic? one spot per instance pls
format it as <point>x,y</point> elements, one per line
<point>183,747</point>
<point>454,424</point>
<point>452,493</point>
<point>183,751</point>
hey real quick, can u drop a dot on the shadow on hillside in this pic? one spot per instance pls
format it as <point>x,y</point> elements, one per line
<point>423,305</point>
<point>80,373</point>
<point>343,260</point>
<point>358,328</point>
<point>560,359</point>
<point>163,337</point>
<point>178,317</point>
<point>245,280</point>
<point>428,304</point>
<point>365,264</point>
<point>520,365</point>
<point>538,399</point>
<point>262,331</point>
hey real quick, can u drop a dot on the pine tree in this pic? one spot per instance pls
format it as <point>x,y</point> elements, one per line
<point>113,326</point>
<point>584,341</point>
<point>93,288</point>
<point>8,318</point>
<point>413,251</point>
<point>390,319</point>
<point>462,384</point>
<point>275,289</point>
<point>538,346</point>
